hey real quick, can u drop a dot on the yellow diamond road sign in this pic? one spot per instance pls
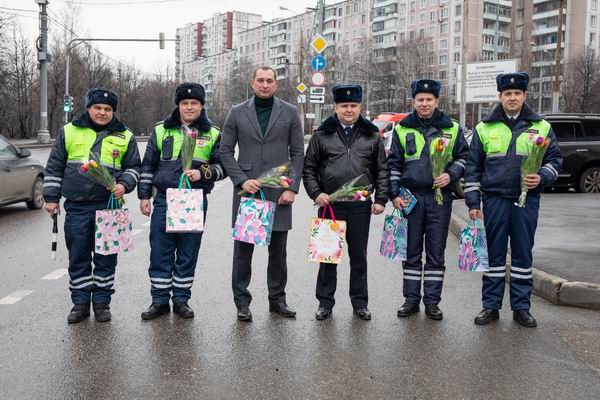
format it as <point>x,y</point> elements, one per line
<point>319,44</point>
<point>301,87</point>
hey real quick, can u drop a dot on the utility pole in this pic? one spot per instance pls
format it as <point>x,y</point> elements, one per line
<point>43,135</point>
<point>463,63</point>
<point>320,28</point>
<point>556,90</point>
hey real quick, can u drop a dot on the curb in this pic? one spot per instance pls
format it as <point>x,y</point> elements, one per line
<point>551,287</point>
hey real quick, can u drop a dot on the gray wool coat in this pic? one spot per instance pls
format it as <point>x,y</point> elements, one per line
<point>283,141</point>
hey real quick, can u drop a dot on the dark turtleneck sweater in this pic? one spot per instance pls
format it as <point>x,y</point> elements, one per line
<point>263,112</point>
<point>426,123</point>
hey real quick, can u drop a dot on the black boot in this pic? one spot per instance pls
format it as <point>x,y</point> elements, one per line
<point>102,312</point>
<point>282,309</point>
<point>78,313</point>
<point>323,313</point>
<point>183,310</point>
<point>486,316</point>
<point>408,309</point>
<point>433,312</point>
<point>244,314</point>
<point>524,318</point>
<point>156,310</point>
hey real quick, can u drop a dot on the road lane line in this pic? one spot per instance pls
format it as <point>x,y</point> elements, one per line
<point>59,273</point>
<point>136,231</point>
<point>16,296</point>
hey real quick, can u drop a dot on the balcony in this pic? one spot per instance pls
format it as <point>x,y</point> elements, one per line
<point>494,17</point>
<point>492,32</point>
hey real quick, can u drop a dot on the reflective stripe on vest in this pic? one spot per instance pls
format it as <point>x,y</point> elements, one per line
<point>204,142</point>
<point>79,142</point>
<point>496,137</point>
<point>403,131</point>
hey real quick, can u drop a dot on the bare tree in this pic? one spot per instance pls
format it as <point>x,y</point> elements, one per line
<point>582,84</point>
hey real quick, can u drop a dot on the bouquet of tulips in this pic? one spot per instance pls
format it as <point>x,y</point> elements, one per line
<point>440,156</point>
<point>355,190</point>
<point>532,162</point>
<point>94,170</point>
<point>277,177</point>
<point>188,146</point>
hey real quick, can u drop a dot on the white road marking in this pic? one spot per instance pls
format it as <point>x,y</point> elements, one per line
<point>136,231</point>
<point>16,296</point>
<point>146,224</point>
<point>59,273</point>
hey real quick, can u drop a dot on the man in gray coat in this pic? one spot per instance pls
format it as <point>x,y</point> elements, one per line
<point>268,133</point>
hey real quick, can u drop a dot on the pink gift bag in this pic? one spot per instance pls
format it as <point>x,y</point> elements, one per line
<point>185,210</point>
<point>113,231</point>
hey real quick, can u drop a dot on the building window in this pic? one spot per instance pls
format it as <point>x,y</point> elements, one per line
<point>402,23</point>
<point>364,18</point>
<point>458,10</point>
<point>593,21</point>
<point>431,16</point>
<point>431,59</point>
<point>421,33</point>
<point>411,35</point>
<point>443,74</point>
<point>443,59</point>
<point>457,26</point>
<point>422,4</point>
<point>456,57</point>
<point>594,5</point>
<point>443,28</point>
<point>402,9</point>
<point>411,6</point>
<point>432,2</point>
<point>402,37</point>
<point>432,30</point>
<point>421,18</point>
<point>592,38</point>
<point>355,7</point>
<point>412,20</point>
<point>443,44</point>
<point>444,13</point>
<point>347,9</point>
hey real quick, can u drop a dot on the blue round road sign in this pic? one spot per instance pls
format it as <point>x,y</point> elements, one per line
<point>318,63</point>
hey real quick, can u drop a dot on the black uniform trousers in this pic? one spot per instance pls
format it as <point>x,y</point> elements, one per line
<point>358,218</point>
<point>427,223</point>
<point>276,269</point>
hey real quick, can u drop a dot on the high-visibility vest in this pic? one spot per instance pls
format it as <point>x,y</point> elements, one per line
<point>496,137</point>
<point>204,142</point>
<point>79,142</point>
<point>403,131</point>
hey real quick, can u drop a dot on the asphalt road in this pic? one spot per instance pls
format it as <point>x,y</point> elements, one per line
<point>214,356</point>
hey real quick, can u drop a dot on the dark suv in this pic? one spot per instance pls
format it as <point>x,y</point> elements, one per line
<point>578,136</point>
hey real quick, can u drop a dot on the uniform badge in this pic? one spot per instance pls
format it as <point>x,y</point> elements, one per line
<point>348,93</point>
<point>202,141</point>
<point>512,80</point>
<point>105,94</point>
<point>426,85</point>
<point>189,90</point>
<point>446,135</point>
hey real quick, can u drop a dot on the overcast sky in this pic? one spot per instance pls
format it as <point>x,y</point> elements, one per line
<point>145,19</point>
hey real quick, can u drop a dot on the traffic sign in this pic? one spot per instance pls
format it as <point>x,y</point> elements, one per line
<point>301,98</point>
<point>317,95</point>
<point>318,79</point>
<point>318,63</point>
<point>301,87</point>
<point>319,44</point>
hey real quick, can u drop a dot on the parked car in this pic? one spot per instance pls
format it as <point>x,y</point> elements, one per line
<point>21,178</point>
<point>386,122</point>
<point>578,136</point>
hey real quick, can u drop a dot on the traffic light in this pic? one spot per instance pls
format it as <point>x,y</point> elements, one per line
<point>161,40</point>
<point>67,103</point>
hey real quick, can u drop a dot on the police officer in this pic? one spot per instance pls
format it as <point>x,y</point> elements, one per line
<point>173,256</point>
<point>493,169</point>
<point>344,147</point>
<point>410,167</point>
<point>99,131</point>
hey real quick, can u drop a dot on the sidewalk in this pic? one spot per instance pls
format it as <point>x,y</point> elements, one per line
<point>566,255</point>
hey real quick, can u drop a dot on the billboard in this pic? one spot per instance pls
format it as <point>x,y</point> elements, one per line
<point>481,80</point>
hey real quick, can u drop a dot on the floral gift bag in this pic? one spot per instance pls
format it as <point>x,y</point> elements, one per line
<point>113,230</point>
<point>394,237</point>
<point>254,222</point>
<point>326,240</point>
<point>473,253</point>
<point>185,210</point>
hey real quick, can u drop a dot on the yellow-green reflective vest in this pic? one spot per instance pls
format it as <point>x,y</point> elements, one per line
<point>402,131</point>
<point>496,137</point>
<point>204,142</point>
<point>79,142</point>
